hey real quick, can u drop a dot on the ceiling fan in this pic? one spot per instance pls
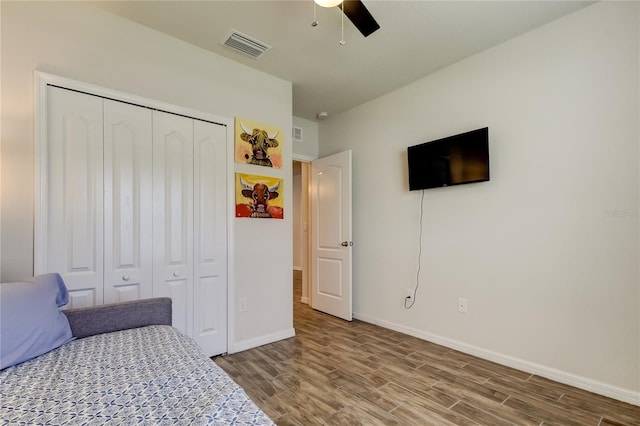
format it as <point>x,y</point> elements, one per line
<point>357,13</point>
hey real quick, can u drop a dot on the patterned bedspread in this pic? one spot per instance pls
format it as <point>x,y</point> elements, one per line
<point>149,376</point>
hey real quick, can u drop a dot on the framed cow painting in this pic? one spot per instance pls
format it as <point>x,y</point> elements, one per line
<point>259,197</point>
<point>258,144</point>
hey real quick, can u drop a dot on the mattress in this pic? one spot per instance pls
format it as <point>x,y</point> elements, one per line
<point>151,375</point>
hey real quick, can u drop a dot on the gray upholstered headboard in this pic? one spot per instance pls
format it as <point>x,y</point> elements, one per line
<point>119,316</point>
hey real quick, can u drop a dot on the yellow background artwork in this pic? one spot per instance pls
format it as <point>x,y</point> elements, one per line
<point>244,205</point>
<point>243,149</point>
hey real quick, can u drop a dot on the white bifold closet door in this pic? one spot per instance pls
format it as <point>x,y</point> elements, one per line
<point>135,207</point>
<point>173,214</point>
<point>210,237</point>
<point>189,220</point>
<point>128,231</point>
<point>73,202</point>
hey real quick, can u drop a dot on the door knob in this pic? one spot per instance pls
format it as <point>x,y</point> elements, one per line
<point>125,278</point>
<point>175,274</point>
<point>346,243</point>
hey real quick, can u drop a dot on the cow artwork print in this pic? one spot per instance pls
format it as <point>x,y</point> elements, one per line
<point>259,197</point>
<point>260,142</point>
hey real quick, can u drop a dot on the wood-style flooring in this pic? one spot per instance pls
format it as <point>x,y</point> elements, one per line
<point>336,372</point>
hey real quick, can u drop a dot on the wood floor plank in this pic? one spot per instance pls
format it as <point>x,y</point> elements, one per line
<point>417,346</point>
<point>351,382</point>
<point>371,404</point>
<point>440,368</point>
<point>611,410</point>
<point>412,415</point>
<point>417,381</point>
<point>479,416</point>
<point>489,368</point>
<point>335,372</point>
<point>548,411</point>
<point>592,403</point>
<point>473,391</point>
<point>515,386</point>
<point>489,405</point>
<point>359,366</point>
<point>286,420</point>
<point>610,422</point>
<point>299,409</point>
<point>348,417</point>
<point>535,401</point>
<point>426,398</point>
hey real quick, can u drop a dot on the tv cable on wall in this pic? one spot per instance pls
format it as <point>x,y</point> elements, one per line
<point>410,301</point>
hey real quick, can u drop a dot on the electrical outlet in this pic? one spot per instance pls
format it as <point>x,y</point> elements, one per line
<point>243,304</point>
<point>462,305</point>
<point>410,293</point>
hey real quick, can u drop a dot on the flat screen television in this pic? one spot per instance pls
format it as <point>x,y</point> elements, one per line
<point>453,160</point>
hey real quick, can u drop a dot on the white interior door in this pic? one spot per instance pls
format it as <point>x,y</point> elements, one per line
<point>331,243</point>
<point>210,237</point>
<point>128,232</point>
<point>173,215</point>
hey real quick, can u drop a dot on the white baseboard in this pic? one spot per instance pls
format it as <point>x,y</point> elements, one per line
<point>304,300</point>
<point>297,268</point>
<point>262,340</point>
<point>621,394</point>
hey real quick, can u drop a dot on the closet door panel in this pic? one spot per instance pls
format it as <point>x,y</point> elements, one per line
<point>210,237</point>
<point>74,235</point>
<point>128,249</point>
<point>173,215</point>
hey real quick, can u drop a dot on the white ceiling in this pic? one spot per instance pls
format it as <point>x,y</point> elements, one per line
<point>416,38</point>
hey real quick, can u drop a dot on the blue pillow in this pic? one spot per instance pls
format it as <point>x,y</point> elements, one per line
<point>31,322</point>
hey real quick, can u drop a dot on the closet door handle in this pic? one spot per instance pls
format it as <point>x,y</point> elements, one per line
<point>125,278</point>
<point>175,274</point>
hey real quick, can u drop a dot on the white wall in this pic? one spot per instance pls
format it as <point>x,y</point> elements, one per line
<point>308,148</point>
<point>79,42</point>
<point>546,252</point>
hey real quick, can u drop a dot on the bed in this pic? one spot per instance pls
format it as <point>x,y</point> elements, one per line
<point>120,364</point>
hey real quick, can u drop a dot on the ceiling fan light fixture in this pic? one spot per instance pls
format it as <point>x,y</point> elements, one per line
<point>327,3</point>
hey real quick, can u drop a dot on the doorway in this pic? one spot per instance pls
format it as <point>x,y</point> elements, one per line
<point>323,248</point>
<point>301,237</point>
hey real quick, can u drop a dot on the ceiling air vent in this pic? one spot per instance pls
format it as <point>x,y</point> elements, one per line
<point>245,44</point>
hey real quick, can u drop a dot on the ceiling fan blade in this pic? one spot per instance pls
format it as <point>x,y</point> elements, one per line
<point>356,11</point>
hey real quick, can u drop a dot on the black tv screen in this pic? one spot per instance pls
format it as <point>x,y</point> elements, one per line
<point>453,160</point>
